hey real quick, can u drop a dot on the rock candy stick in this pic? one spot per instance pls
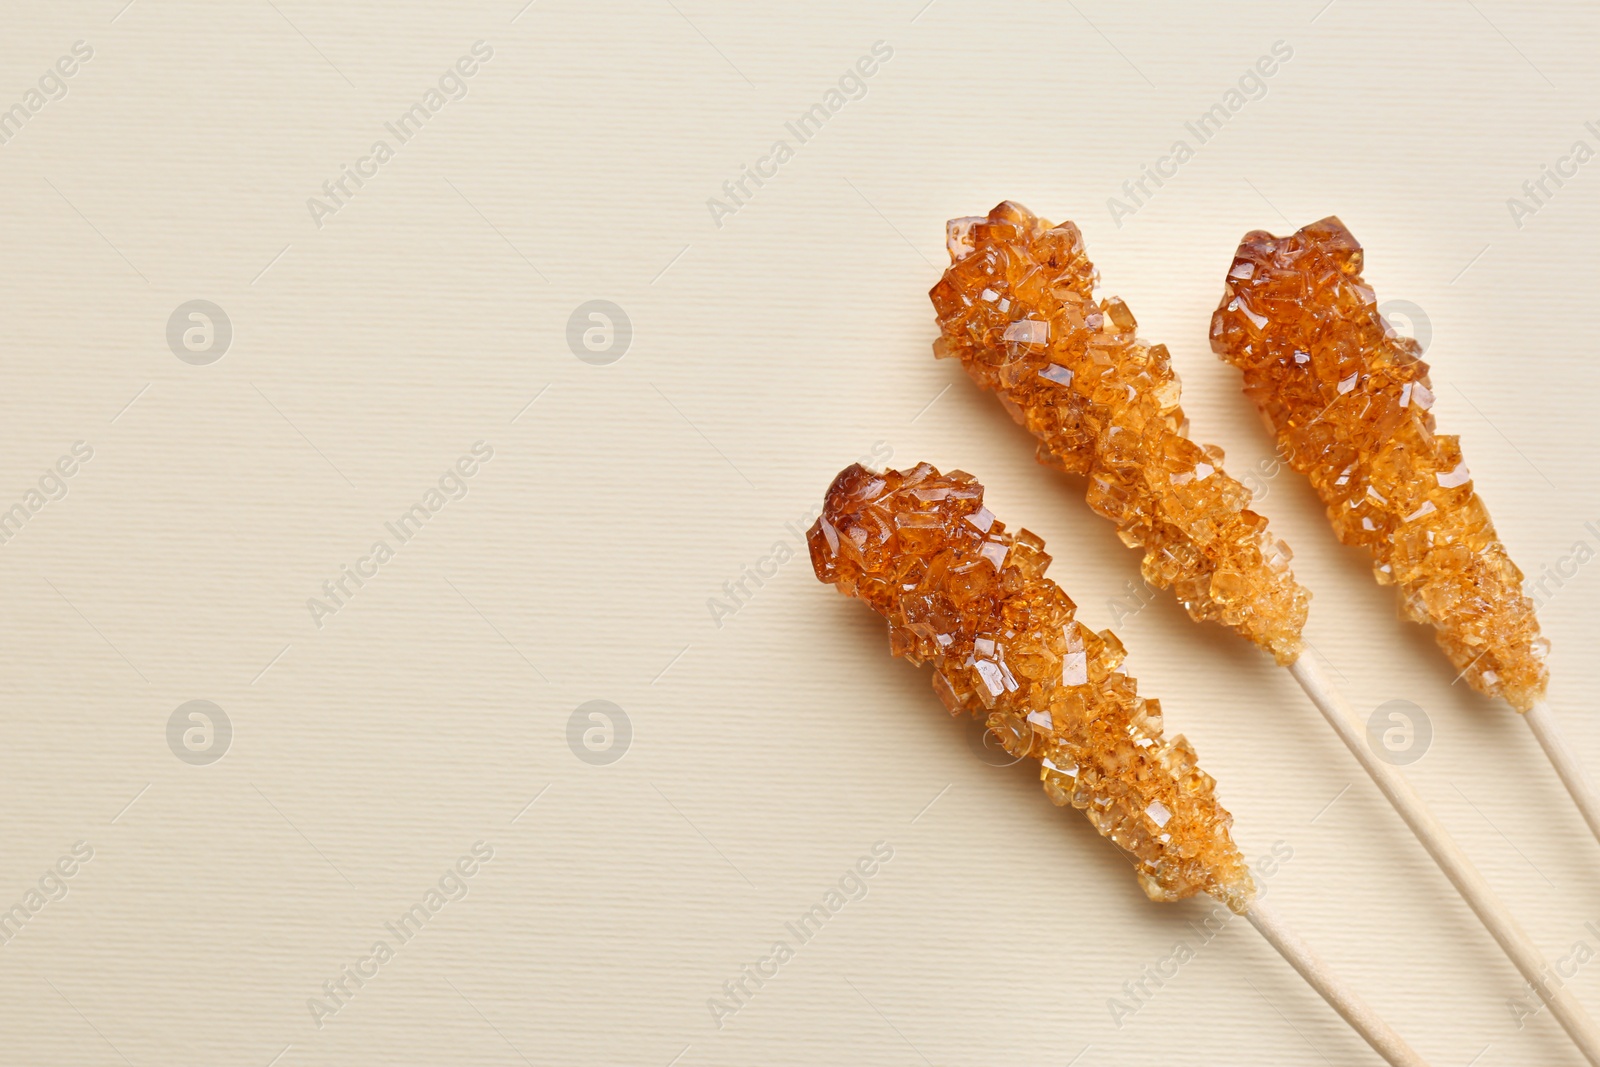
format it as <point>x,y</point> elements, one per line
<point>964,594</point>
<point>1350,400</point>
<point>1017,308</point>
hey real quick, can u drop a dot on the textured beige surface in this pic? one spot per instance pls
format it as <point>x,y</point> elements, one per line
<point>771,753</point>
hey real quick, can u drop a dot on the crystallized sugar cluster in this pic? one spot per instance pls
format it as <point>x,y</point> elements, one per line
<point>1017,307</point>
<point>962,593</point>
<point>1349,400</point>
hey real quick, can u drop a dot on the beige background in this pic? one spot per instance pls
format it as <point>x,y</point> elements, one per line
<point>771,752</point>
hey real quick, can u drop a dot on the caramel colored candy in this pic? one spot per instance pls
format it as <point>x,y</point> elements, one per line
<point>1017,307</point>
<point>1349,400</point>
<point>969,597</point>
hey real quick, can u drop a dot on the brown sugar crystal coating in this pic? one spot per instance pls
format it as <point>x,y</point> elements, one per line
<point>969,597</point>
<point>1349,400</point>
<point>1017,307</point>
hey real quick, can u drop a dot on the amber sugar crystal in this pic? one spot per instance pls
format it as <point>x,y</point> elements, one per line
<point>969,597</point>
<point>1017,307</point>
<point>1349,400</point>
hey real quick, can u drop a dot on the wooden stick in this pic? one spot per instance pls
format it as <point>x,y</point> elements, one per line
<point>1573,776</point>
<point>1452,861</point>
<point>1351,1008</point>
